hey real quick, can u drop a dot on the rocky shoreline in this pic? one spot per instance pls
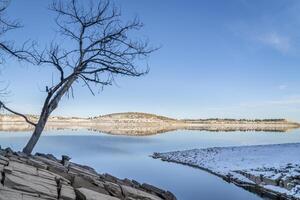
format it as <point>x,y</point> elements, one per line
<point>271,171</point>
<point>251,186</point>
<point>44,177</point>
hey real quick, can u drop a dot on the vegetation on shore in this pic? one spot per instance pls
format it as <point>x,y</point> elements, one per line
<point>139,124</point>
<point>141,115</point>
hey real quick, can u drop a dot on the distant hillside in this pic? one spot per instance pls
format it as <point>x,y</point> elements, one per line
<point>144,116</point>
<point>226,120</point>
<point>134,115</point>
<point>137,123</point>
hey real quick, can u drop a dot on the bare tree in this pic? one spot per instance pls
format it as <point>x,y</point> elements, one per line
<point>101,48</point>
<point>6,25</point>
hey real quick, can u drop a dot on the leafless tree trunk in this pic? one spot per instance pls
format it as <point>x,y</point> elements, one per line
<point>48,108</point>
<point>101,49</point>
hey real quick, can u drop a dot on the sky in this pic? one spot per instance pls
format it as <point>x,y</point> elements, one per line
<point>226,59</point>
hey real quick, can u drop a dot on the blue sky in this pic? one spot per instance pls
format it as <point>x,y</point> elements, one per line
<point>233,58</point>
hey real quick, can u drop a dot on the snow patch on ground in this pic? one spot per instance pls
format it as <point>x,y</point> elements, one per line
<point>273,167</point>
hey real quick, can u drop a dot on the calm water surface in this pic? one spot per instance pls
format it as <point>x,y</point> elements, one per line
<point>128,157</point>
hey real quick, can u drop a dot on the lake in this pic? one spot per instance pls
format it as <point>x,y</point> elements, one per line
<point>128,157</point>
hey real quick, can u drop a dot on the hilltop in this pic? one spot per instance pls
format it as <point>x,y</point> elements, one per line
<point>134,115</point>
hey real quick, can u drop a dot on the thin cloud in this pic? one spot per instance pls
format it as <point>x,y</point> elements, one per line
<point>282,87</point>
<point>285,102</point>
<point>290,101</point>
<point>276,41</point>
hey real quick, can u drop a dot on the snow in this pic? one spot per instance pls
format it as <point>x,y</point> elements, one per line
<point>278,164</point>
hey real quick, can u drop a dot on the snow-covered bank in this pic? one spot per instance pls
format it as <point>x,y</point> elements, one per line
<point>272,169</point>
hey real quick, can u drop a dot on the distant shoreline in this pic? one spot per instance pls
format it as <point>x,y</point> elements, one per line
<point>139,124</point>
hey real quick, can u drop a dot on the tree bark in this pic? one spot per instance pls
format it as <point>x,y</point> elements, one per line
<point>49,107</point>
<point>36,135</point>
<point>102,50</point>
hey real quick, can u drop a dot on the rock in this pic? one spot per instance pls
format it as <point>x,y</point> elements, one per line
<point>36,163</point>
<point>4,160</point>
<point>84,167</point>
<point>159,192</point>
<point>77,169</point>
<point>113,189</point>
<point>43,177</point>
<point>86,182</point>
<point>65,160</point>
<point>86,194</point>
<point>21,167</point>
<point>152,188</point>
<point>290,185</point>
<point>31,184</point>
<point>12,157</point>
<point>110,178</point>
<point>135,183</point>
<point>286,182</point>
<point>133,193</point>
<point>8,150</point>
<point>269,181</point>
<point>50,175</point>
<point>67,192</point>
<point>54,166</point>
<point>21,154</point>
<point>128,182</point>
<point>47,156</point>
<point>7,170</point>
<point>10,194</point>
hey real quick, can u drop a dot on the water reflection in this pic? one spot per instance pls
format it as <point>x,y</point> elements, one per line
<point>129,156</point>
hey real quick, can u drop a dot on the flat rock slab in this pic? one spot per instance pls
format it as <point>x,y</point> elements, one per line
<point>67,192</point>
<point>43,177</point>
<point>31,184</point>
<point>10,194</point>
<point>86,194</point>
<point>132,193</point>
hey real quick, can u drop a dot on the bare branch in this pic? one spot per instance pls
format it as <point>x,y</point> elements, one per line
<point>101,47</point>
<point>6,47</point>
<point>16,113</point>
